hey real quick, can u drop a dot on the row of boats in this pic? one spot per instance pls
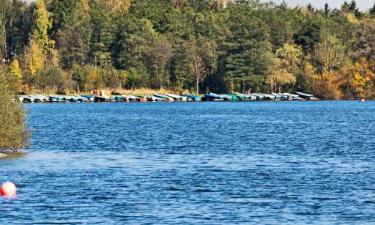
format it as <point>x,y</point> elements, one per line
<point>299,96</point>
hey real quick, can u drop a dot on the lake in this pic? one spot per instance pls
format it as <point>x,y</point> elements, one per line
<point>195,163</point>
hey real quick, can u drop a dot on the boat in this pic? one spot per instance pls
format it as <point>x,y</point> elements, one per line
<point>269,97</point>
<point>56,98</point>
<point>293,97</point>
<point>306,96</point>
<point>118,98</point>
<point>73,98</point>
<point>166,98</point>
<point>213,97</point>
<point>231,97</point>
<point>23,98</point>
<point>39,98</point>
<point>153,98</point>
<point>253,97</point>
<point>258,96</point>
<point>192,98</point>
<point>278,97</point>
<point>132,98</point>
<point>98,98</point>
<point>88,98</point>
<point>242,97</point>
<point>177,98</point>
<point>141,98</point>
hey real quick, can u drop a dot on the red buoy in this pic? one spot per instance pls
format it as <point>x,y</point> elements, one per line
<point>8,190</point>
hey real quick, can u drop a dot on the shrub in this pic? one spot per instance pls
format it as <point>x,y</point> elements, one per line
<point>13,132</point>
<point>51,78</point>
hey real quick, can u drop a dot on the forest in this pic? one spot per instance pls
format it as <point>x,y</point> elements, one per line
<point>73,46</point>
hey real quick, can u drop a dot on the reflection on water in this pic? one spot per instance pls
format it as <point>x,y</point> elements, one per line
<point>204,163</point>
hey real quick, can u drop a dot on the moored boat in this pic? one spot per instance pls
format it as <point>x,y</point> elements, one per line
<point>88,98</point>
<point>305,96</point>
<point>166,98</point>
<point>98,98</point>
<point>192,98</point>
<point>118,98</point>
<point>212,97</point>
<point>177,98</point>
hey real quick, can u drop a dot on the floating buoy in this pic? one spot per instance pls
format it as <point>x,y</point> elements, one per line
<point>8,190</point>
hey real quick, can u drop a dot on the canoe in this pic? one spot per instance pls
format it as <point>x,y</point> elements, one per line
<point>98,98</point>
<point>131,98</point>
<point>39,98</point>
<point>177,98</point>
<point>155,99</point>
<point>242,97</point>
<point>118,98</point>
<point>213,97</point>
<point>56,98</point>
<point>304,95</point>
<point>192,98</point>
<point>166,98</point>
<point>230,97</point>
<point>269,97</point>
<point>88,98</point>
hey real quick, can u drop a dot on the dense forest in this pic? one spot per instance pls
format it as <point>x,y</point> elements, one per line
<point>188,45</point>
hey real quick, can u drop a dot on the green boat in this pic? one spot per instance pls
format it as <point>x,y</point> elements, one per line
<point>232,97</point>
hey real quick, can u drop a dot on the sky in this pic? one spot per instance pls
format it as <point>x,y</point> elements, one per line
<point>362,4</point>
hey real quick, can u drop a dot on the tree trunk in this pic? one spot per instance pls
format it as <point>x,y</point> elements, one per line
<point>197,85</point>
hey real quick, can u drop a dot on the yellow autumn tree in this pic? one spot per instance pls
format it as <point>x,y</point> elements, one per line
<point>115,5</point>
<point>16,74</point>
<point>41,26</point>
<point>325,85</point>
<point>14,69</point>
<point>34,59</point>
<point>363,78</point>
<point>41,51</point>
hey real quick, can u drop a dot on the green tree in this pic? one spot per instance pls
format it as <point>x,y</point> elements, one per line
<point>363,41</point>
<point>73,35</point>
<point>248,51</point>
<point>308,36</point>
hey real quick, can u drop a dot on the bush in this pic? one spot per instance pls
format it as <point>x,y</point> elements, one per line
<point>52,78</point>
<point>13,132</point>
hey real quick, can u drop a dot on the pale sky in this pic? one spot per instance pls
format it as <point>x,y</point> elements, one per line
<point>362,4</point>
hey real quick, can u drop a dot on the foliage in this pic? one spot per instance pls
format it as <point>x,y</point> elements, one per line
<point>15,74</point>
<point>13,133</point>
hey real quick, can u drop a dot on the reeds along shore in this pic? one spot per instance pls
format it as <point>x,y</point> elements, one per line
<point>100,97</point>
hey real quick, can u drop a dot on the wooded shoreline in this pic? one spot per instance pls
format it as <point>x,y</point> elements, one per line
<point>220,46</point>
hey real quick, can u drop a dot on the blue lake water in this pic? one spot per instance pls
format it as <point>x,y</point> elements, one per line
<point>195,163</point>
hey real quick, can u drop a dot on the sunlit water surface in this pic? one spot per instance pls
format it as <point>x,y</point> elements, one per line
<point>198,163</point>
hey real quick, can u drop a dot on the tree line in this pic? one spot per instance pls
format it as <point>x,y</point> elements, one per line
<point>189,45</point>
